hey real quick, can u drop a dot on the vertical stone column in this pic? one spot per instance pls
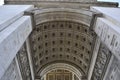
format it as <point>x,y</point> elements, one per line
<point>95,53</point>
<point>101,63</point>
<point>19,72</point>
<point>113,71</point>
<point>28,47</point>
<point>108,68</point>
<point>30,58</point>
<point>72,76</point>
<point>107,27</point>
<point>12,72</point>
<point>23,61</point>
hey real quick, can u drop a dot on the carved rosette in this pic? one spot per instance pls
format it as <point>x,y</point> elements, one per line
<point>101,64</point>
<point>24,63</point>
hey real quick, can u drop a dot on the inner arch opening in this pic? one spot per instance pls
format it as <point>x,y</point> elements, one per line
<point>60,71</point>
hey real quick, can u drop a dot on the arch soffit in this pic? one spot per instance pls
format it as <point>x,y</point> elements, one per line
<point>46,15</point>
<point>63,14</point>
<point>65,66</point>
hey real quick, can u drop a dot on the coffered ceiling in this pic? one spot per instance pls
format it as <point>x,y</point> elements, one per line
<point>62,41</point>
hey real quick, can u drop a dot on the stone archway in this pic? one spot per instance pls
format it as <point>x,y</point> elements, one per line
<point>62,35</point>
<point>61,66</point>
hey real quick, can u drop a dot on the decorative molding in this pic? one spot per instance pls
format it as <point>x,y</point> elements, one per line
<point>114,70</point>
<point>24,63</point>
<point>64,4</point>
<point>94,57</point>
<point>101,64</point>
<point>63,66</point>
<point>109,35</point>
<point>12,72</point>
<point>63,14</point>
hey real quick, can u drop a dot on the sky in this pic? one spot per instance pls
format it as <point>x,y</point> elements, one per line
<point>2,1</point>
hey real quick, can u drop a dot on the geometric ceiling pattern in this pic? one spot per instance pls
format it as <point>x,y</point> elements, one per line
<point>62,41</point>
<point>61,33</point>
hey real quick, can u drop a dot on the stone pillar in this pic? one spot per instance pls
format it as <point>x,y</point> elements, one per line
<point>14,30</point>
<point>108,68</point>
<point>30,59</point>
<point>72,76</point>
<point>17,64</point>
<point>24,64</point>
<point>29,52</point>
<point>12,72</point>
<point>107,27</point>
<point>95,52</point>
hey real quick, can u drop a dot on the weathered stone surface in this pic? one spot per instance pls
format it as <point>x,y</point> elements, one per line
<point>23,62</point>
<point>63,41</point>
<point>10,13</point>
<point>63,3</point>
<point>94,57</point>
<point>11,39</point>
<point>63,14</point>
<point>58,0</point>
<point>61,66</point>
<point>101,64</point>
<point>12,72</point>
<point>108,28</point>
<point>111,14</point>
<point>114,70</point>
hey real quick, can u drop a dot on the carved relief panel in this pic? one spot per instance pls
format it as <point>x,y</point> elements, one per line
<point>114,70</point>
<point>101,63</point>
<point>12,72</point>
<point>24,63</point>
<point>109,34</point>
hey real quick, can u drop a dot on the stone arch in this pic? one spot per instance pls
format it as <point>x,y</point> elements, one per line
<point>63,14</point>
<point>61,66</point>
<point>58,36</point>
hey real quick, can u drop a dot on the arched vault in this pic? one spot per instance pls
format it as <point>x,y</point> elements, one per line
<point>62,35</point>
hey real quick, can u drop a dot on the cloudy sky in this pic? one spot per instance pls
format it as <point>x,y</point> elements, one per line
<point>1,1</point>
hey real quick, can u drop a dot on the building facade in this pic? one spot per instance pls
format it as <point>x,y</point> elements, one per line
<point>60,40</point>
